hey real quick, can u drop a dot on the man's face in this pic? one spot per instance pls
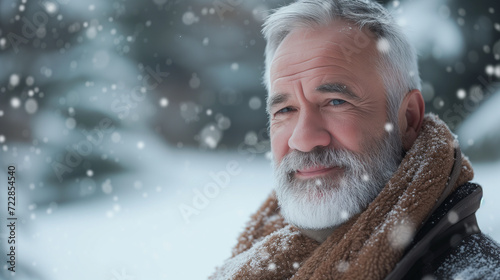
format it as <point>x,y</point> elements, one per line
<point>327,117</point>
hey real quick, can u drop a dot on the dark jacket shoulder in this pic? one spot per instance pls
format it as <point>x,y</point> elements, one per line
<point>450,244</point>
<point>476,257</point>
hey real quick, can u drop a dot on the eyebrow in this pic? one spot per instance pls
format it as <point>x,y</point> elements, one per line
<point>339,88</point>
<point>276,99</point>
<point>279,98</point>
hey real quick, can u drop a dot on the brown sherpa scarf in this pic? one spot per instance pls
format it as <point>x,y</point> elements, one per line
<point>367,246</point>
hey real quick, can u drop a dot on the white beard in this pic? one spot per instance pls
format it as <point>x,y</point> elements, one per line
<point>326,202</point>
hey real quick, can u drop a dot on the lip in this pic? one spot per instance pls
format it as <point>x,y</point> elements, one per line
<point>316,171</point>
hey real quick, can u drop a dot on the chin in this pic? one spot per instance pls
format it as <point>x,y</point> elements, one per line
<point>312,206</point>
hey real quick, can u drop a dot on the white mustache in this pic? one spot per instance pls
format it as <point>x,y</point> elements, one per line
<point>320,156</point>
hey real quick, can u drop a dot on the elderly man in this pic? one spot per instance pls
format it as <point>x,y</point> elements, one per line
<point>367,187</point>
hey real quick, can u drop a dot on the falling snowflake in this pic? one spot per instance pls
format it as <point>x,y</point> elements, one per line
<point>389,127</point>
<point>255,103</point>
<point>210,141</point>
<point>163,102</point>
<point>344,215</point>
<point>31,106</point>
<point>401,235</point>
<point>140,145</point>
<point>438,103</point>
<point>383,45</point>
<point>453,217</point>
<point>210,136</point>
<point>223,122</point>
<point>235,66</point>
<point>251,138</point>
<point>50,7</point>
<point>269,155</point>
<point>15,102</point>
<point>189,18</point>
<point>272,266</point>
<point>342,266</point>
<point>461,93</point>
<point>490,70</point>
<point>365,177</point>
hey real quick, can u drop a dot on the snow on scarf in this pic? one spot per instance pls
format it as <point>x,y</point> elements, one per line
<point>367,246</point>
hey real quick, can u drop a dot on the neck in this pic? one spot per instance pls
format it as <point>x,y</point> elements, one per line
<point>319,235</point>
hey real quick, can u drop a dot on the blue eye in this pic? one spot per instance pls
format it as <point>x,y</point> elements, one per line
<point>337,101</point>
<point>284,110</point>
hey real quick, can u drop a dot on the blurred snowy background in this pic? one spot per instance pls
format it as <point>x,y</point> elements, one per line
<point>138,128</point>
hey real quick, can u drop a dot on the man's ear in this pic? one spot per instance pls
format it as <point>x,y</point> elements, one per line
<point>411,115</point>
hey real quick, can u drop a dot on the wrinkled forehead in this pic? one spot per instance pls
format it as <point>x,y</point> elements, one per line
<point>340,41</point>
<point>347,35</point>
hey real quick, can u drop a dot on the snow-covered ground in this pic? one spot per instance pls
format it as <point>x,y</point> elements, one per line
<point>143,235</point>
<point>488,216</point>
<point>146,236</point>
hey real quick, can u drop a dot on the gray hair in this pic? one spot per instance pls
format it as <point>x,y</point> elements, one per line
<point>397,64</point>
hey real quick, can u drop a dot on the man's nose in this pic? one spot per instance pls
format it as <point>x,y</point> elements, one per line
<point>309,132</point>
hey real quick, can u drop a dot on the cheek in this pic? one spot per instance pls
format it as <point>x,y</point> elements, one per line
<point>347,136</point>
<point>360,125</point>
<point>279,142</point>
<point>353,134</point>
